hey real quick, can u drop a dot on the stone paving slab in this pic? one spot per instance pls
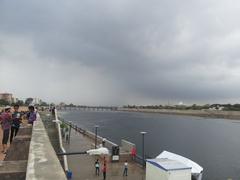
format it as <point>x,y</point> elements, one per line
<point>2,156</point>
<point>83,168</point>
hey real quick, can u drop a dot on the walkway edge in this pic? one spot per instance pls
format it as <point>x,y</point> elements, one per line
<point>60,141</point>
<point>42,160</point>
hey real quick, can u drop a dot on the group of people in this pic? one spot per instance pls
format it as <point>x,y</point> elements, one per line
<point>104,168</point>
<point>11,121</point>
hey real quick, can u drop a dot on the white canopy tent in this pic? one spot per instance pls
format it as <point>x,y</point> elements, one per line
<point>196,171</point>
<point>99,151</point>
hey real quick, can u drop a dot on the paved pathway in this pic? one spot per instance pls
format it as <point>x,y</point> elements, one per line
<point>82,166</point>
<point>2,156</point>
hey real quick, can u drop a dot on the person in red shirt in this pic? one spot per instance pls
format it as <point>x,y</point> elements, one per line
<point>104,170</point>
<point>134,153</point>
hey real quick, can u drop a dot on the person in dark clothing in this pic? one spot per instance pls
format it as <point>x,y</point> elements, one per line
<point>31,115</point>
<point>53,111</point>
<point>16,121</point>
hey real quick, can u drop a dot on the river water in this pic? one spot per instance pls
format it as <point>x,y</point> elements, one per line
<point>212,143</point>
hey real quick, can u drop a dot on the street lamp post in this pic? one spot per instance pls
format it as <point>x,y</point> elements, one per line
<point>96,128</point>
<point>69,135</point>
<point>143,148</point>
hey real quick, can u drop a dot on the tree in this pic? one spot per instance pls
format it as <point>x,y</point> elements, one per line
<point>4,102</point>
<point>71,105</point>
<point>20,102</point>
<point>28,101</point>
<point>43,103</point>
<point>52,104</point>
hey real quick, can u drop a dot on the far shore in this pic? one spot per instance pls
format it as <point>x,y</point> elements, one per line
<point>206,113</point>
<point>21,108</point>
<point>200,113</point>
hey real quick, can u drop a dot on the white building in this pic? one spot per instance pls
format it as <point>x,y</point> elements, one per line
<point>7,97</point>
<point>170,166</point>
<point>166,169</point>
<point>36,101</point>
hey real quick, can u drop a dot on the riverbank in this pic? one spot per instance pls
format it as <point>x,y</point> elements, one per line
<point>199,113</point>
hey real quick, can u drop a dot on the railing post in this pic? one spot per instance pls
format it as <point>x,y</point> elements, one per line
<point>69,136</point>
<point>143,149</point>
<point>96,128</point>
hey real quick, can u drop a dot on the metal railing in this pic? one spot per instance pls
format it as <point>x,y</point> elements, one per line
<point>138,159</point>
<point>65,163</point>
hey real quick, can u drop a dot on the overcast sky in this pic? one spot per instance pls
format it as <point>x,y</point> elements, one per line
<point>115,52</point>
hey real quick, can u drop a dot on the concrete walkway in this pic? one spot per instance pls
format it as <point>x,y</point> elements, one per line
<point>83,167</point>
<point>2,156</point>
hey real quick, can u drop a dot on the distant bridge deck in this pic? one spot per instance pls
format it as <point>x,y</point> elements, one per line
<point>88,108</point>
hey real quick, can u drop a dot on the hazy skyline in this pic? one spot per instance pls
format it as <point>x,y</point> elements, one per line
<point>121,52</point>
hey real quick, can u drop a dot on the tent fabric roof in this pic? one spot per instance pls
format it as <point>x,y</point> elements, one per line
<point>99,151</point>
<point>168,164</point>
<point>196,169</point>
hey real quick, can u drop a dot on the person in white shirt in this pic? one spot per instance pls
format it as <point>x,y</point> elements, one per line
<point>125,171</point>
<point>97,167</point>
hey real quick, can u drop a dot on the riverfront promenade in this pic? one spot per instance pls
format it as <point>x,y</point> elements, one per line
<point>2,156</point>
<point>83,167</point>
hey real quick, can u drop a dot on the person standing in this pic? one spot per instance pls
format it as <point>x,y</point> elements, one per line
<point>16,121</point>
<point>104,170</point>
<point>97,167</point>
<point>125,171</point>
<point>103,142</point>
<point>133,153</point>
<point>6,118</point>
<point>32,115</point>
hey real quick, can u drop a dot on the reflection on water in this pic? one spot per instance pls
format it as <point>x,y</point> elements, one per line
<point>213,143</point>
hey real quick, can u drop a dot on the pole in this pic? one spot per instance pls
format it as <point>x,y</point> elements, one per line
<point>70,128</point>
<point>96,128</point>
<point>143,149</point>
<point>71,153</point>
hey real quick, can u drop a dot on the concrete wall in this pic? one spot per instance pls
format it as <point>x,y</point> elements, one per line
<point>42,161</point>
<point>127,146</point>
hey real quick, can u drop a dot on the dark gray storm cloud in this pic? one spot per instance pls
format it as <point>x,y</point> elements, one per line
<point>119,52</point>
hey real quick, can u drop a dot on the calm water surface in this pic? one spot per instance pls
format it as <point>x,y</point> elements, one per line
<point>213,143</point>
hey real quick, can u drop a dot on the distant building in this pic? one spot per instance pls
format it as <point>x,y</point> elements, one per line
<point>7,97</point>
<point>62,104</point>
<point>15,100</point>
<point>37,101</point>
